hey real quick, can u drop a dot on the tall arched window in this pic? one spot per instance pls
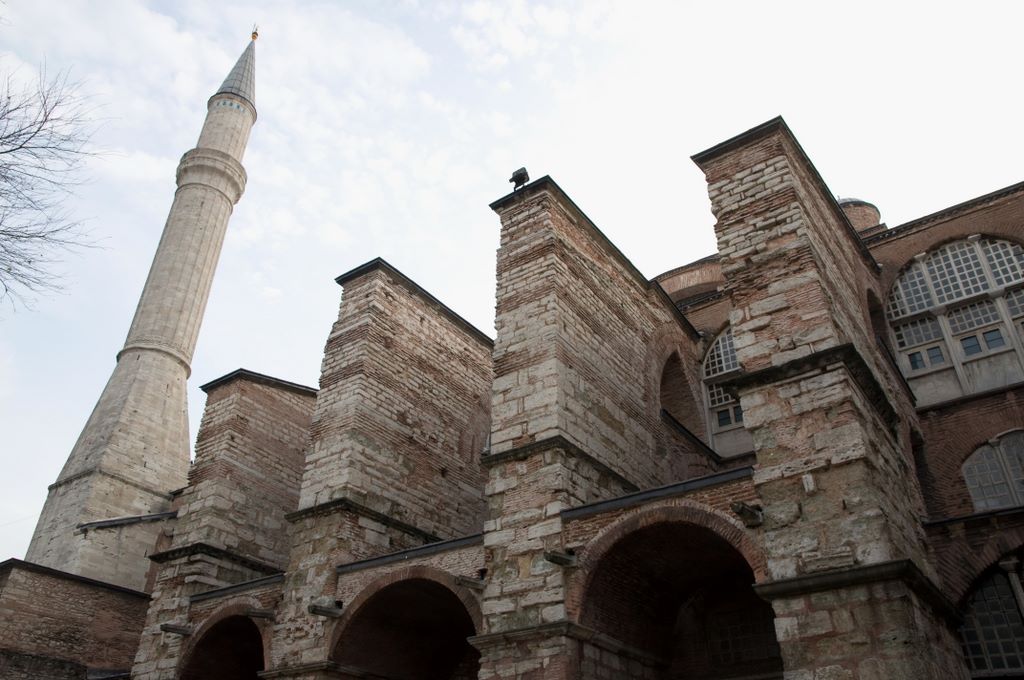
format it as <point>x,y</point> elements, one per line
<point>725,415</point>
<point>995,473</point>
<point>956,316</point>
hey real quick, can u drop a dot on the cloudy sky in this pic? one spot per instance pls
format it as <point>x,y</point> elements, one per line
<point>385,129</point>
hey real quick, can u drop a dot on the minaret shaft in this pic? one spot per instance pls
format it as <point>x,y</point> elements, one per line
<point>134,449</point>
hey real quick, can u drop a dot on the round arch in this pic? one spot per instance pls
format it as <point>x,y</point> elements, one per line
<point>673,583</point>
<point>228,645</point>
<point>409,622</point>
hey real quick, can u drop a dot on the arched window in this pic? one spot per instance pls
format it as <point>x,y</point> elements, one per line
<point>956,316</point>
<point>995,473</point>
<point>721,360</point>
<point>725,415</point>
<point>992,633</point>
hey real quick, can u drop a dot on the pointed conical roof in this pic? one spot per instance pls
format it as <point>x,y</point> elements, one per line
<point>242,79</point>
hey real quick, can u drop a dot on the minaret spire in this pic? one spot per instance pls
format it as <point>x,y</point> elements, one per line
<point>134,449</point>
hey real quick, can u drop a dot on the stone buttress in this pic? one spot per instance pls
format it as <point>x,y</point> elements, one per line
<point>849,575</point>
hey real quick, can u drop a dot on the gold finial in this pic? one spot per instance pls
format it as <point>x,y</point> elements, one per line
<point>255,31</point>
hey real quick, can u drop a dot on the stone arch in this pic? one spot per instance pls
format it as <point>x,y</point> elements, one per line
<point>682,511</point>
<point>668,341</point>
<point>974,561</point>
<point>671,587</point>
<point>426,598</point>
<point>227,622</point>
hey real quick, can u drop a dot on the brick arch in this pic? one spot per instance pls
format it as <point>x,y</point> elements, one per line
<point>972,562</point>
<point>679,511</point>
<point>420,572</point>
<point>981,439</point>
<point>666,340</point>
<point>234,607</point>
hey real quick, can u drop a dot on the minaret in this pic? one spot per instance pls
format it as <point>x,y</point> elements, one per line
<point>134,449</point>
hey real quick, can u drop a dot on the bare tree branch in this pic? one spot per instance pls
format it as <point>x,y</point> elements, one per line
<point>44,131</point>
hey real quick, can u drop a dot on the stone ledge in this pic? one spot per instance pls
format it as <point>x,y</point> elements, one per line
<point>416,289</point>
<point>349,505</point>
<point>15,563</point>
<point>778,126</point>
<point>125,521</point>
<point>213,551</point>
<point>667,491</point>
<point>556,442</point>
<point>683,431</point>
<point>904,571</point>
<point>411,553</point>
<point>650,285</point>
<point>237,587</point>
<point>845,354</point>
<point>976,517</point>
<point>98,470</point>
<point>259,378</point>
<point>326,668</point>
<point>569,629</point>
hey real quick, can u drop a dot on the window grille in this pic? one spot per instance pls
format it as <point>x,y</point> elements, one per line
<point>741,636</point>
<point>717,396</point>
<point>993,632</point>
<point>1015,301</point>
<point>973,316</point>
<point>722,357</point>
<point>917,332</point>
<point>986,480</point>
<point>956,271</point>
<point>995,473</point>
<point>910,294</point>
<point>1006,260</point>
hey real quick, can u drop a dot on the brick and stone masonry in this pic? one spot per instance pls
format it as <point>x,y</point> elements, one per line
<point>549,505</point>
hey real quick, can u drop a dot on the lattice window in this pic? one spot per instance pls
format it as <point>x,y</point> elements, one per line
<point>741,636</point>
<point>993,632</point>
<point>910,294</point>
<point>987,481</point>
<point>995,473</point>
<point>722,357</point>
<point>969,317</point>
<point>955,271</point>
<point>917,332</point>
<point>920,315</point>
<point>717,396</point>
<point>1012,447</point>
<point>1006,260</point>
<point>1015,301</point>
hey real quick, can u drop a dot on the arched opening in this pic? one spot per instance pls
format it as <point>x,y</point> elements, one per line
<point>410,630</point>
<point>992,633</point>
<point>675,396</point>
<point>677,600</point>
<point>232,649</point>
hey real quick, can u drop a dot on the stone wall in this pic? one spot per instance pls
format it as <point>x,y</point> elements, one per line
<point>248,466</point>
<point>582,340</point>
<point>403,410</point>
<point>231,524</point>
<point>52,622</point>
